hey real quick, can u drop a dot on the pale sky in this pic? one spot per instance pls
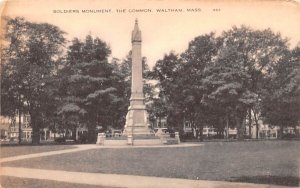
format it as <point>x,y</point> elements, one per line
<point>161,32</point>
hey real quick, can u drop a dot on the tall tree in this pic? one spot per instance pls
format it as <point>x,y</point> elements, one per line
<point>245,59</point>
<point>31,55</point>
<point>90,87</point>
<point>281,97</point>
<point>167,72</point>
<point>200,54</point>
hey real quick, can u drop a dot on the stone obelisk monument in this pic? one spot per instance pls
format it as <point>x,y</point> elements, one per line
<point>137,117</point>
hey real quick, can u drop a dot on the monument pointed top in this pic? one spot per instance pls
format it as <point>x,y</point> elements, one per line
<point>136,33</point>
<point>136,25</point>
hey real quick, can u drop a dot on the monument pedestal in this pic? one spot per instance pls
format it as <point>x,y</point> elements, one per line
<point>137,117</point>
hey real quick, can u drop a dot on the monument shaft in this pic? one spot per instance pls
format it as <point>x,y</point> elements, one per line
<point>137,117</point>
<point>137,70</point>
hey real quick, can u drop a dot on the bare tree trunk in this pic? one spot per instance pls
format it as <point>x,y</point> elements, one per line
<point>159,121</point>
<point>227,126</point>
<point>20,128</point>
<point>35,135</point>
<point>240,127</point>
<point>20,124</point>
<point>91,134</point>
<point>256,123</point>
<point>201,133</point>
<point>35,130</point>
<point>281,132</point>
<point>295,130</point>
<point>74,133</point>
<point>250,124</point>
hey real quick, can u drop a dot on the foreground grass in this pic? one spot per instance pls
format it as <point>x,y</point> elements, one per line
<point>10,151</point>
<point>13,182</point>
<point>269,162</point>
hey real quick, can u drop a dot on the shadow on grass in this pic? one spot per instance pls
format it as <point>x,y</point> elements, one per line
<point>14,182</point>
<point>274,180</point>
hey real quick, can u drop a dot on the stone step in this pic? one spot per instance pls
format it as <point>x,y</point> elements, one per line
<point>172,141</point>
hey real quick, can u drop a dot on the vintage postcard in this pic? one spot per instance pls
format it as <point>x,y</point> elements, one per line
<point>150,93</point>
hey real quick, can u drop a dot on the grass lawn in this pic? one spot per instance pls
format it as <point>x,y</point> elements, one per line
<point>13,182</point>
<point>269,162</point>
<point>14,150</point>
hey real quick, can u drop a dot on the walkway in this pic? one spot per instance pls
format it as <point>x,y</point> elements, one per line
<point>88,147</point>
<point>113,180</point>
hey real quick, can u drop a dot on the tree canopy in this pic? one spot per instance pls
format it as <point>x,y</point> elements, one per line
<point>218,81</point>
<point>30,60</point>
<point>225,78</point>
<point>90,88</point>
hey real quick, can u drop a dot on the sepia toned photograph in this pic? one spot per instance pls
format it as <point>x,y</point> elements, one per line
<point>150,94</point>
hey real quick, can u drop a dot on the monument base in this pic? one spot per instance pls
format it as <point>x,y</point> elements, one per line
<point>137,119</point>
<point>138,130</point>
<point>137,140</point>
